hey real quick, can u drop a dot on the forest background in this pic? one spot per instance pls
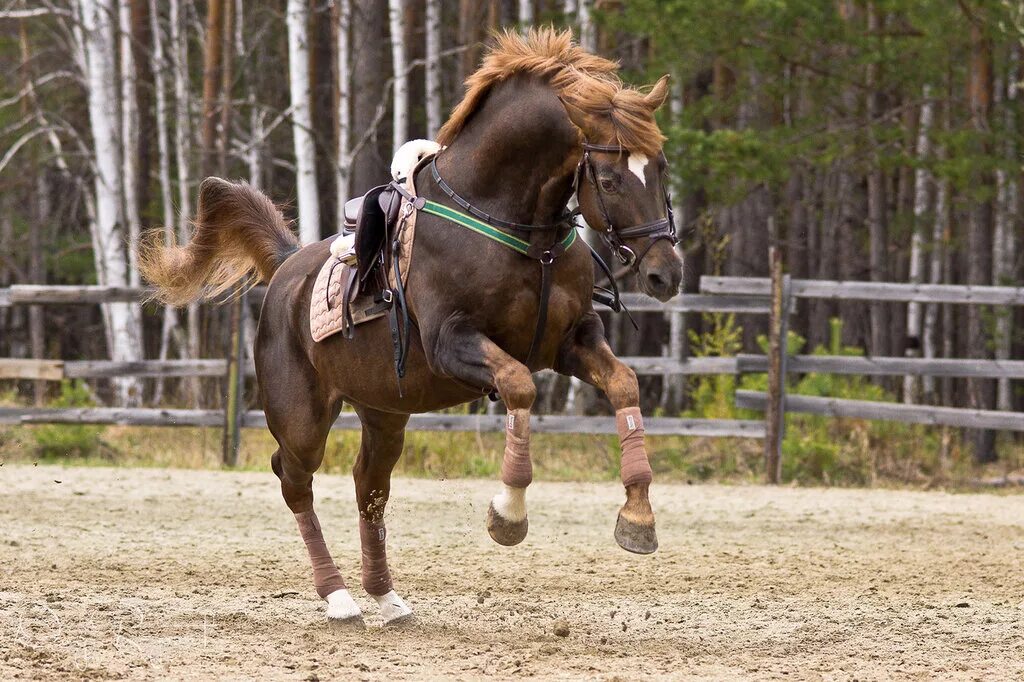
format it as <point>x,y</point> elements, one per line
<point>870,139</point>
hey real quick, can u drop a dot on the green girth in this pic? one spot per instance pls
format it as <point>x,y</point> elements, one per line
<point>480,227</point>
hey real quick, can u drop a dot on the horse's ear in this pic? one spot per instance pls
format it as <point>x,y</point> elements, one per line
<point>656,97</point>
<point>576,115</point>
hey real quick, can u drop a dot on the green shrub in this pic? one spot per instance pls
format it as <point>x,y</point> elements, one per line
<point>69,440</point>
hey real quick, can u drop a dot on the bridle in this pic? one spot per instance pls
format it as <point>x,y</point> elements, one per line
<point>657,230</point>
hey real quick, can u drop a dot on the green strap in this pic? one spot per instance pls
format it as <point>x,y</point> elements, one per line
<point>480,227</point>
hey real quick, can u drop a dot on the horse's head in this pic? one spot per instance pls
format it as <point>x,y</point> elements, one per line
<point>622,189</point>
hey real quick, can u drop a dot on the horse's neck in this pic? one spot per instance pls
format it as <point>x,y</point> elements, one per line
<point>514,159</point>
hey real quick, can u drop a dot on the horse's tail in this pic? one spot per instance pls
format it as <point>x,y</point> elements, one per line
<point>240,237</point>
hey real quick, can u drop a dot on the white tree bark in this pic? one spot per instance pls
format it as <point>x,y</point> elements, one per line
<point>400,109</point>
<point>109,255</point>
<point>182,116</point>
<point>922,180</point>
<point>158,64</point>
<point>129,138</point>
<point>433,66</point>
<point>344,107</point>
<point>588,33</point>
<point>569,9</point>
<point>1004,246</point>
<point>302,120</point>
<point>525,13</point>
<point>931,317</point>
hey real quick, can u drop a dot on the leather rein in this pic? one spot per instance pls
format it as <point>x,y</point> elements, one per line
<point>546,256</point>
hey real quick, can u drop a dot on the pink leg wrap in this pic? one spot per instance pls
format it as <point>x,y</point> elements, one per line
<point>326,577</point>
<point>376,576</point>
<point>635,467</point>
<point>516,469</point>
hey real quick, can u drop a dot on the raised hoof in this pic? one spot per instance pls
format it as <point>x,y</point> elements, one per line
<point>503,531</point>
<point>634,537</point>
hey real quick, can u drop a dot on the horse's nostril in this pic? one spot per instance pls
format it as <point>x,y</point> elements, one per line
<point>656,281</point>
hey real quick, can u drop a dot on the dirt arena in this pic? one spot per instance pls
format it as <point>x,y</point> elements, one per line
<point>136,573</point>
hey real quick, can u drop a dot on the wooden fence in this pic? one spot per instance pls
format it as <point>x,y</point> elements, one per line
<point>55,370</point>
<point>774,296</point>
<point>778,364</point>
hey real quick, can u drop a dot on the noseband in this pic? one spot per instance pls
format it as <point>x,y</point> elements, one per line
<point>613,238</point>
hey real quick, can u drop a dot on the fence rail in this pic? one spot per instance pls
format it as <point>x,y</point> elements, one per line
<point>659,426</point>
<point>868,291</point>
<point>869,409</point>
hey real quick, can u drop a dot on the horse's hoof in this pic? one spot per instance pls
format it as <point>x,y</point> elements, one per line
<point>635,537</point>
<point>503,531</point>
<point>342,610</point>
<point>350,623</point>
<point>393,609</point>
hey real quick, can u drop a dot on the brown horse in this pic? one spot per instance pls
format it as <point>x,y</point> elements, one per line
<point>542,120</point>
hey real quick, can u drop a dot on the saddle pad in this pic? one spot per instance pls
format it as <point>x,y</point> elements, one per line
<point>325,309</point>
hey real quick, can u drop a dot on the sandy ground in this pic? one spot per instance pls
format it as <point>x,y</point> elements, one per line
<point>118,573</point>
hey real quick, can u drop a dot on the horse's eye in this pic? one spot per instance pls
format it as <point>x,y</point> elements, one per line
<point>608,185</point>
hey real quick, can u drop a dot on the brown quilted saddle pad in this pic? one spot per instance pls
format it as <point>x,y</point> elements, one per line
<point>326,312</point>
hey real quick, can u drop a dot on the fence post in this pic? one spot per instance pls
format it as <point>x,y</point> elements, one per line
<point>778,331</point>
<point>234,405</point>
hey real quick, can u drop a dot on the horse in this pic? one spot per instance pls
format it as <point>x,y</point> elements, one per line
<point>542,122</point>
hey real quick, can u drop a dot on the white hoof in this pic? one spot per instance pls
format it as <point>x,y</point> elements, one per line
<point>342,607</point>
<point>392,608</point>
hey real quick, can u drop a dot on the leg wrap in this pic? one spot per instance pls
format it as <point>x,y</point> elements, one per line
<point>326,577</point>
<point>516,469</point>
<point>376,575</point>
<point>635,467</point>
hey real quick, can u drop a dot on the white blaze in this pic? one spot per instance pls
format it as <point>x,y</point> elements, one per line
<point>637,164</point>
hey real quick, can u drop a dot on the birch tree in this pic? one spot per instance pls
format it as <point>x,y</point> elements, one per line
<point>433,66</point>
<point>344,160</point>
<point>1004,242</point>
<point>525,13</point>
<point>302,120</point>
<point>922,179</point>
<point>400,107</point>
<point>158,63</point>
<point>123,324</point>
<point>129,137</point>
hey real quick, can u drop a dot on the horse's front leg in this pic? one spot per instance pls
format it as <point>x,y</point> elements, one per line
<point>470,357</point>
<point>587,356</point>
<point>381,446</point>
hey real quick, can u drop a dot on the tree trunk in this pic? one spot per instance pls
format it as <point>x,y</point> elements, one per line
<point>433,67</point>
<point>877,232</point>
<point>158,64</point>
<point>400,87</point>
<point>182,142</point>
<point>980,393</point>
<point>213,53</point>
<point>369,72</point>
<point>525,13</point>
<point>302,121</point>
<point>1004,242</point>
<point>110,258</point>
<point>344,108</point>
<point>922,180</point>
<point>129,137</point>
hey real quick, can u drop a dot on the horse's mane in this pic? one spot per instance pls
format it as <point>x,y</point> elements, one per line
<point>584,80</point>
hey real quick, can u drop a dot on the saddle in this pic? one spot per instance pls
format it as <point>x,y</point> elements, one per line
<point>365,275</point>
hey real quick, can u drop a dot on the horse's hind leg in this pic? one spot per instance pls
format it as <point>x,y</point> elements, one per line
<point>383,437</point>
<point>300,455</point>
